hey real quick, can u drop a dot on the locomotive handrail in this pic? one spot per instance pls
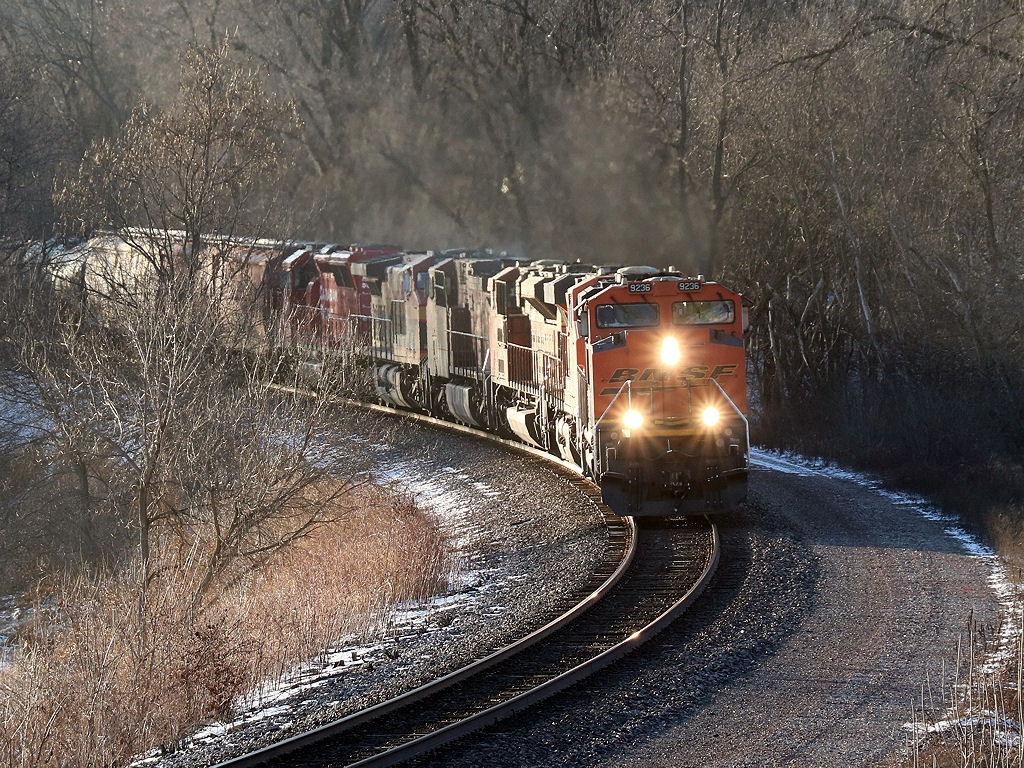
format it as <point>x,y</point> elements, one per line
<point>475,344</point>
<point>598,463</point>
<point>381,335</point>
<point>546,372</point>
<point>625,385</point>
<point>629,394</point>
<point>746,423</point>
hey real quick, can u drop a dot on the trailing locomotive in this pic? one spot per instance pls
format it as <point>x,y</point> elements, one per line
<point>635,375</point>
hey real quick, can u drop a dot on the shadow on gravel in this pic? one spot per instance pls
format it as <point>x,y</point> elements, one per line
<point>763,589</point>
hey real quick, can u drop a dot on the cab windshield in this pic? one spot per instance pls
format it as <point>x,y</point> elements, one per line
<point>637,315</point>
<point>703,312</point>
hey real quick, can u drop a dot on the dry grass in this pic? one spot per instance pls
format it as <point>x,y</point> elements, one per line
<point>99,677</point>
<point>976,721</point>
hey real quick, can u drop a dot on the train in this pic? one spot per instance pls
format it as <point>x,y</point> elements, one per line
<point>633,374</point>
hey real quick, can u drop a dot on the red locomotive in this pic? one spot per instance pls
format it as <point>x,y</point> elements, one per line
<point>635,375</point>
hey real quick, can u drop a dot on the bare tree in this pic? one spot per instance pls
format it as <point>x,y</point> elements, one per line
<point>693,70</point>
<point>207,163</point>
<point>30,141</point>
<point>175,381</point>
<point>75,42</point>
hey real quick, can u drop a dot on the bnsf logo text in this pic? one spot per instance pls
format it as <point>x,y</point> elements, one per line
<point>640,287</point>
<point>649,377</point>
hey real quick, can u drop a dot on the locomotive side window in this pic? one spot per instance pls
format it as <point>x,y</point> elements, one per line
<point>703,312</point>
<point>303,276</point>
<point>637,315</point>
<point>342,278</point>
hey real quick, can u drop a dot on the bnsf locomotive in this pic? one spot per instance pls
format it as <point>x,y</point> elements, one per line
<point>633,374</point>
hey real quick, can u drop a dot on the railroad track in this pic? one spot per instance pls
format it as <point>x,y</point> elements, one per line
<point>661,570</point>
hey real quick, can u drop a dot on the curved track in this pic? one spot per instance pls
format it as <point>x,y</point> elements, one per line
<point>671,566</point>
<point>835,605</point>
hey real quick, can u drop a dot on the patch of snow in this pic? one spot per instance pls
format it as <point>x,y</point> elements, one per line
<point>445,501</point>
<point>485,489</point>
<point>1002,731</point>
<point>11,615</point>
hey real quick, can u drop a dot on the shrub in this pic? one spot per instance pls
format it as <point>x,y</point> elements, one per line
<point>105,671</point>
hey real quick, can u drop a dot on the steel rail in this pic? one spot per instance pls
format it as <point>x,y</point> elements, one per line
<point>480,720</point>
<point>282,748</point>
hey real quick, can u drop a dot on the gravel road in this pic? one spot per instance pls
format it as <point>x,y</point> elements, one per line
<point>832,606</point>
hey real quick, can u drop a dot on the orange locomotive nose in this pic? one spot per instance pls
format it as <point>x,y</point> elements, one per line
<point>666,366</point>
<point>664,373</point>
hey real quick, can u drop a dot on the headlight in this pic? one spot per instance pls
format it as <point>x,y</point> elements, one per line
<point>710,416</point>
<point>633,420</point>
<point>670,351</point>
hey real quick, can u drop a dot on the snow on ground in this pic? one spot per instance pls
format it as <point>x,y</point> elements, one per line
<point>11,615</point>
<point>447,506</point>
<point>449,503</point>
<point>1005,649</point>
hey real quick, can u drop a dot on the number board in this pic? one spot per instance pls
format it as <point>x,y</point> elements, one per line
<point>640,287</point>
<point>691,285</point>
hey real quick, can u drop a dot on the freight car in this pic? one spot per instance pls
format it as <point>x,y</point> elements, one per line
<point>634,374</point>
